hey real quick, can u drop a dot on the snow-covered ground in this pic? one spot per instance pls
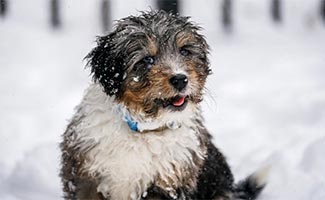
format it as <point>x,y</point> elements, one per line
<point>265,104</point>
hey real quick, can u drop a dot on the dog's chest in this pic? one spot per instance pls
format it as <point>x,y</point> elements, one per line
<point>128,162</point>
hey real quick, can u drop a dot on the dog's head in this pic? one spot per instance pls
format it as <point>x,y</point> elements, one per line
<point>152,63</point>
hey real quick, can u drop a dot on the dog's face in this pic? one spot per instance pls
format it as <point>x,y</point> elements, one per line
<point>153,63</point>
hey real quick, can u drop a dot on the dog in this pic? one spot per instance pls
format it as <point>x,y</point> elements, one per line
<point>138,132</point>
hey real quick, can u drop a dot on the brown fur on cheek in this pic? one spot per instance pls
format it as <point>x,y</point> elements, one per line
<point>140,96</point>
<point>159,78</point>
<point>134,95</point>
<point>197,79</point>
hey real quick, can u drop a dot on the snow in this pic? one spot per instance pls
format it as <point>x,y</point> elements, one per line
<point>265,102</point>
<point>136,79</point>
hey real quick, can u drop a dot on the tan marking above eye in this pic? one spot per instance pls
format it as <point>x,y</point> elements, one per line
<point>183,39</point>
<point>152,47</point>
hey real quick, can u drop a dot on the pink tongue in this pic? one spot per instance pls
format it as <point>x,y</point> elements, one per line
<point>179,101</point>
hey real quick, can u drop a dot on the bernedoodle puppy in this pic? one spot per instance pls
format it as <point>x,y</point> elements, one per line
<point>138,132</point>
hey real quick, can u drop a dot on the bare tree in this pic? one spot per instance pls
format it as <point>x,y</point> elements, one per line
<point>322,10</point>
<point>226,11</point>
<point>3,7</point>
<point>168,6</point>
<point>105,15</point>
<point>55,13</point>
<point>276,11</point>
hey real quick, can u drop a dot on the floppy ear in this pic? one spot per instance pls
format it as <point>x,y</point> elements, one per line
<point>106,65</point>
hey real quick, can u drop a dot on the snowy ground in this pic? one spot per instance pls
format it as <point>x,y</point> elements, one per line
<point>265,105</point>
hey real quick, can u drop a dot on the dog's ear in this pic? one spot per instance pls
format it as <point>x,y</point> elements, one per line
<point>106,65</point>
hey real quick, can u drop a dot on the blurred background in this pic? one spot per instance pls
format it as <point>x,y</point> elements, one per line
<point>265,103</point>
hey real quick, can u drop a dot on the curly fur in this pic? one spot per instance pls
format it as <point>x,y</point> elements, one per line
<point>102,158</point>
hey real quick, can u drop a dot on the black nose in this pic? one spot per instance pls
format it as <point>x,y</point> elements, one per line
<point>179,81</point>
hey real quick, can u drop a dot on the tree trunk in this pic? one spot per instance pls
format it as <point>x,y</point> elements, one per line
<point>105,15</point>
<point>226,10</point>
<point>322,10</point>
<point>3,8</point>
<point>55,13</point>
<point>168,6</point>
<point>276,11</point>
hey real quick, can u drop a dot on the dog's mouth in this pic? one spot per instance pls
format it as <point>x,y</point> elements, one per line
<point>177,103</point>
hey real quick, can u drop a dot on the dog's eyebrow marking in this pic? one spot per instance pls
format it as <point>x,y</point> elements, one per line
<point>184,38</point>
<point>152,47</point>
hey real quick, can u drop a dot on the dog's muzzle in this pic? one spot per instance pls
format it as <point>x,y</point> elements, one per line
<point>177,103</point>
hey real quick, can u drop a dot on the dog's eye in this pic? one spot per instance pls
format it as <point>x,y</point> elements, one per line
<point>149,60</point>
<point>144,65</point>
<point>184,52</point>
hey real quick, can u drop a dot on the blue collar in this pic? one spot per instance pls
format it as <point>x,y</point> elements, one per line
<point>132,124</point>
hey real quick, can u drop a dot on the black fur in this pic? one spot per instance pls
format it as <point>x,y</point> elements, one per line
<point>107,64</point>
<point>248,189</point>
<point>215,180</point>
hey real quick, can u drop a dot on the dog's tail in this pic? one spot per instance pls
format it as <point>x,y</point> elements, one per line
<point>252,186</point>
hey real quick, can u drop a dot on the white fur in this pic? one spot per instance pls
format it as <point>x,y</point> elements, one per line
<point>261,175</point>
<point>128,161</point>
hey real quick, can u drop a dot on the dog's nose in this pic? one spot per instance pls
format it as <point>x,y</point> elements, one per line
<point>179,81</point>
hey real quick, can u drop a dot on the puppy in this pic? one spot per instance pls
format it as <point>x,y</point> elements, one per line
<point>138,132</point>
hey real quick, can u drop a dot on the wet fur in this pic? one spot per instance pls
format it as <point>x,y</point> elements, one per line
<point>103,159</point>
<point>116,61</point>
